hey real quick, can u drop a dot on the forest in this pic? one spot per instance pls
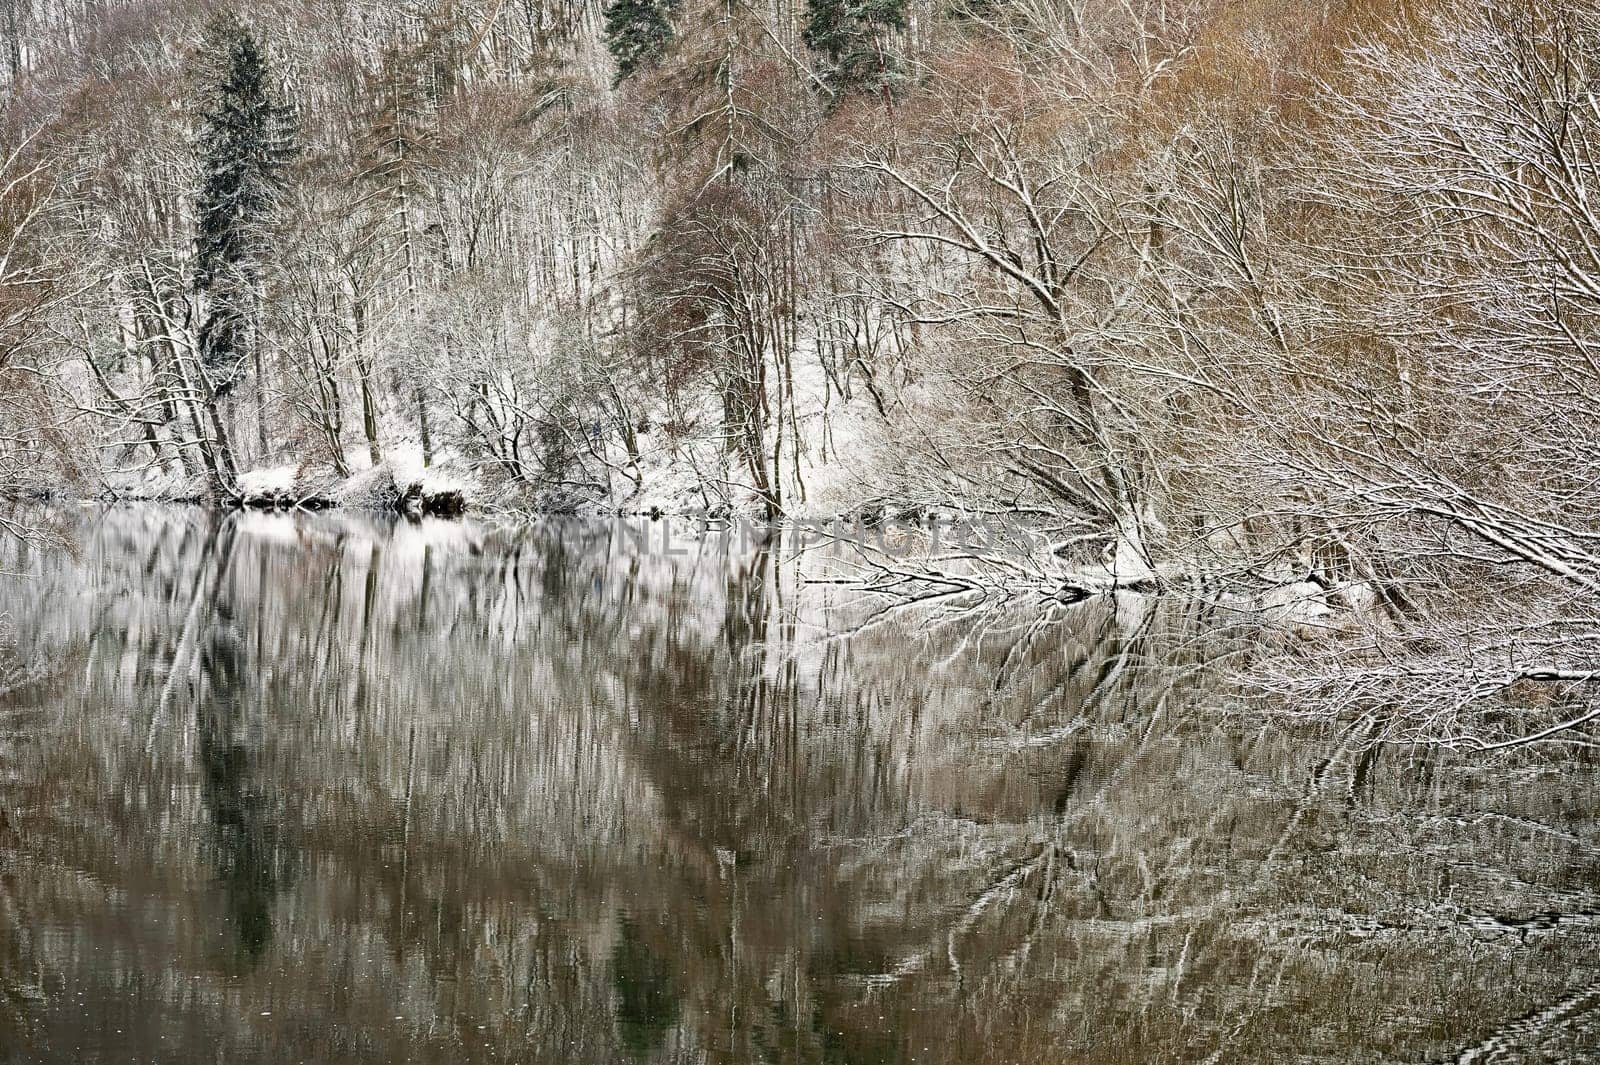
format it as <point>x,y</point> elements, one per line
<point>1287,304</point>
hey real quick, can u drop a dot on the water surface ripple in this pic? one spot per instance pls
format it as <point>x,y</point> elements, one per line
<point>325,788</point>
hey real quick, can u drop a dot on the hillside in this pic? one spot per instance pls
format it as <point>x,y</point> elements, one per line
<point>1293,303</point>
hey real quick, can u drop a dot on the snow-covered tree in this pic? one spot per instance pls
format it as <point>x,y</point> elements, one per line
<point>637,32</point>
<point>853,37</point>
<point>246,138</point>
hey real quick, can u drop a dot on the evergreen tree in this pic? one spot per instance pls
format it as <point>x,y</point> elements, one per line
<point>245,139</point>
<point>637,32</point>
<point>850,36</point>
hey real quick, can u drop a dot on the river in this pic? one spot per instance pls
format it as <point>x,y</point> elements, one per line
<point>332,788</point>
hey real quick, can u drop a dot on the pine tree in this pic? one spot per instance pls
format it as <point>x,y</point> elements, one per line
<point>637,32</point>
<point>246,138</point>
<point>850,36</point>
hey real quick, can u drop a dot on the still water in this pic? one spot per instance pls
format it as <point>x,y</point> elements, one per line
<point>334,789</point>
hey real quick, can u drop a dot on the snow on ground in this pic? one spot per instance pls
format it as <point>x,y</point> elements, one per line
<point>153,483</point>
<point>373,488</point>
<point>272,482</point>
<point>840,464</point>
<point>841,458</point>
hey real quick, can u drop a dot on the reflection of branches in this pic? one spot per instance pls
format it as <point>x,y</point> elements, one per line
<point>16,675</point>
<point>183,668</point>
<point>1534,1027</point>
<point>657,802</point>
<point>1002,887</point>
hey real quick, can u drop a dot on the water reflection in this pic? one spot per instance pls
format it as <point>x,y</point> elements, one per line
<point>229,731</point>
<point>330,789</point>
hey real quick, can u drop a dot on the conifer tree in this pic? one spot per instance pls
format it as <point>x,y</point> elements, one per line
<point>850,36</point>
<point>637,32</point>
<point>246,138</point>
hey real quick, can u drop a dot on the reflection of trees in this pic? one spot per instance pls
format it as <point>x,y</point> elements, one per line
<point>607,805</point>
<point>647,1000</point>
<point>249,860</point>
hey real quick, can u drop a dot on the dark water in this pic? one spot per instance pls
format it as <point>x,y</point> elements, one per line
<point>327,789</point>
